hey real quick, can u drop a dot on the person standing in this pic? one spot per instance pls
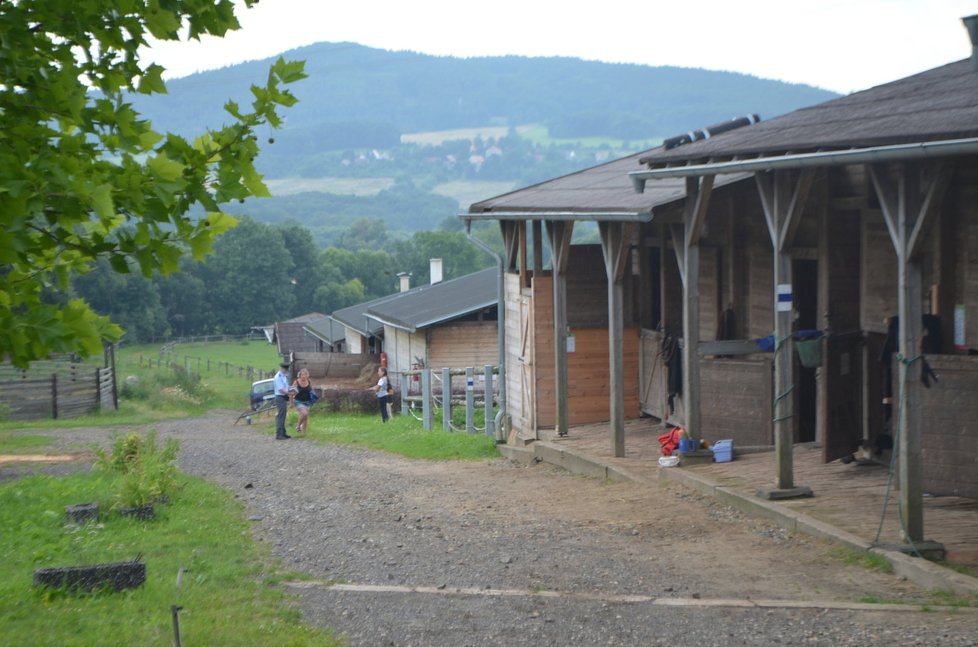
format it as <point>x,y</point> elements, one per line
<point>281,400</point>
<point>304,398</point>
<point>382,389</point>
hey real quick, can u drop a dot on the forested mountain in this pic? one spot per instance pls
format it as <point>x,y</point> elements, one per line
<point>360,196</point>
<point>358,104</point>
<point>392,93</point>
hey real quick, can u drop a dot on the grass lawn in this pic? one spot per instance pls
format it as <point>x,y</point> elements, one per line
<point>226,371</point>
<point>228,593</point>
<point>401,435</point>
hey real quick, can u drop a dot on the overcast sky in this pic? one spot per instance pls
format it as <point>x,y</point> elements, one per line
<point>840,45</point>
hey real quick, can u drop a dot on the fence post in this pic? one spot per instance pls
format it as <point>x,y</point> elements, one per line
<point>426,399</point>
<point>54,396</point>
<point>404,393</point>
<point>446,399</point>
<point>490,422</point>
<point>98,389</point>
<point>469,400</point>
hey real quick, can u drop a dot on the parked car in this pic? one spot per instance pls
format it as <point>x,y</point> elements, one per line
<point>261,392</point>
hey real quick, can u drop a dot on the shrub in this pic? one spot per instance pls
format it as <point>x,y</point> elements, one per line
<point>148,472</point>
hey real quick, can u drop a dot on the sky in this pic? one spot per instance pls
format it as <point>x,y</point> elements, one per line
<point>838,45</point>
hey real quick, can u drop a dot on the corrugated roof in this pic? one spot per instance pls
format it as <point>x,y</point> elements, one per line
<point>599,189</point>
<point>938,104</point>
<point>429,305</point>
<point>290,334</point>
<point>326,329</point>
<point>355,317</point>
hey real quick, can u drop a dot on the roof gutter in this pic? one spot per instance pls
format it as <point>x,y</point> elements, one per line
<point>897,152</point>
<point>559,216</point>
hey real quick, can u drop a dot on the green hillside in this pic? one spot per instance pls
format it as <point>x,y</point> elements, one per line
<point>409,138</point>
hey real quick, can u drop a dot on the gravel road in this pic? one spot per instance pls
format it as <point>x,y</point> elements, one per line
<point>406,552</point>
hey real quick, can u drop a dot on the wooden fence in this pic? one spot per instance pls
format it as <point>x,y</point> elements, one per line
<point>56,389</point>
<point>168,360</point>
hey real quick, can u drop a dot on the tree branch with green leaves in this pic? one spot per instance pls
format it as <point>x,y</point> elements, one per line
<point>83,176</point>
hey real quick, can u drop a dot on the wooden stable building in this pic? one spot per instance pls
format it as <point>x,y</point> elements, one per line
<point>852,223</point>
<point>449,324</point>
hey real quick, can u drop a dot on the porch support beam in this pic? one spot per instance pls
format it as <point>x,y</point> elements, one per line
<point>783,195</point>
<point>559,236</point>
<point>537,248</point>
<point>511,243</point>
<point>698,193</point>
<point>615,238</point>
<point>909,209</point>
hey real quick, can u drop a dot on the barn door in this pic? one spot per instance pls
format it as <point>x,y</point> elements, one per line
<point>843,368</point>
<point>652,383</point>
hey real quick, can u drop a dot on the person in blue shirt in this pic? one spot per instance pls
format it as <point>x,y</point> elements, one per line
<point>282,392</point>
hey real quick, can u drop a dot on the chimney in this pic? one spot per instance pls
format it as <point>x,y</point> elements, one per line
<point>971,24</point>
<point>435,270</point>
<point>405,278</point>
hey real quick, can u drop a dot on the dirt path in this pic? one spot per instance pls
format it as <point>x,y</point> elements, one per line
<point>449,553</point>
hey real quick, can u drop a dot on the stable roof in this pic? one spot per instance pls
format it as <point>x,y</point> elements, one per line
<point>596,193</point>
<point>327,329</point>
<point>430,305</point>
<point>355,317</point>
<point>938,104</point>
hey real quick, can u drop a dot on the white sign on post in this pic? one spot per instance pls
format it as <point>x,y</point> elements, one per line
<point>784,297</point>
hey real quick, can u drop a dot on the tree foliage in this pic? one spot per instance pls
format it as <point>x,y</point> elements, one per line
<point>84,177</point>
<point>259,274</point>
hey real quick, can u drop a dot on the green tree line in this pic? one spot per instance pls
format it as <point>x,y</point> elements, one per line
<point>261,273</point>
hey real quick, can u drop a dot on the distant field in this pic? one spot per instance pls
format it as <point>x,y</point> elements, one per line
<point>467,192</point>
<point>336,185</point>
<point>540,135</point>
<point>437,137</point>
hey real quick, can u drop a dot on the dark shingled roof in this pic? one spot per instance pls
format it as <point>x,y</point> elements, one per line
<point>326,329</point>
<point>355,317</point>
<point>599,189</point>
<point>429,305</point>
<point>290,334</point>
<point>938,104</point>
<point>605,187</point>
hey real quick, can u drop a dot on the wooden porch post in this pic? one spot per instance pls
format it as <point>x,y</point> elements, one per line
<point>615,245</point>
<point>559,236</point>
<point>908,213</point>
<point>783,198</point>
<point>698,194</point>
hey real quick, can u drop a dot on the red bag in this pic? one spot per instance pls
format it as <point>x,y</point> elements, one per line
<point>670,440</point>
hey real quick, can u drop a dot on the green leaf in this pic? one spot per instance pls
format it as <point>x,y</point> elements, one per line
<point>253,180</point>
<point>104,207</point>
<point>165,168</point>
<point>152,80</point>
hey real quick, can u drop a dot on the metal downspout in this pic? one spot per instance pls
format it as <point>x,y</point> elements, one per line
<point>501,432</point>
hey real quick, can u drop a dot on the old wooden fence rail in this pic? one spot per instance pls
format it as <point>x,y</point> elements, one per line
<point>56,389</point>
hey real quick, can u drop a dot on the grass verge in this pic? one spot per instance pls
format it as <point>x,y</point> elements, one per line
<point>401,435</point>
<point>227,596</point>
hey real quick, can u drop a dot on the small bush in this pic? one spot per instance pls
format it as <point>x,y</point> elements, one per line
<point>148,472</point>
